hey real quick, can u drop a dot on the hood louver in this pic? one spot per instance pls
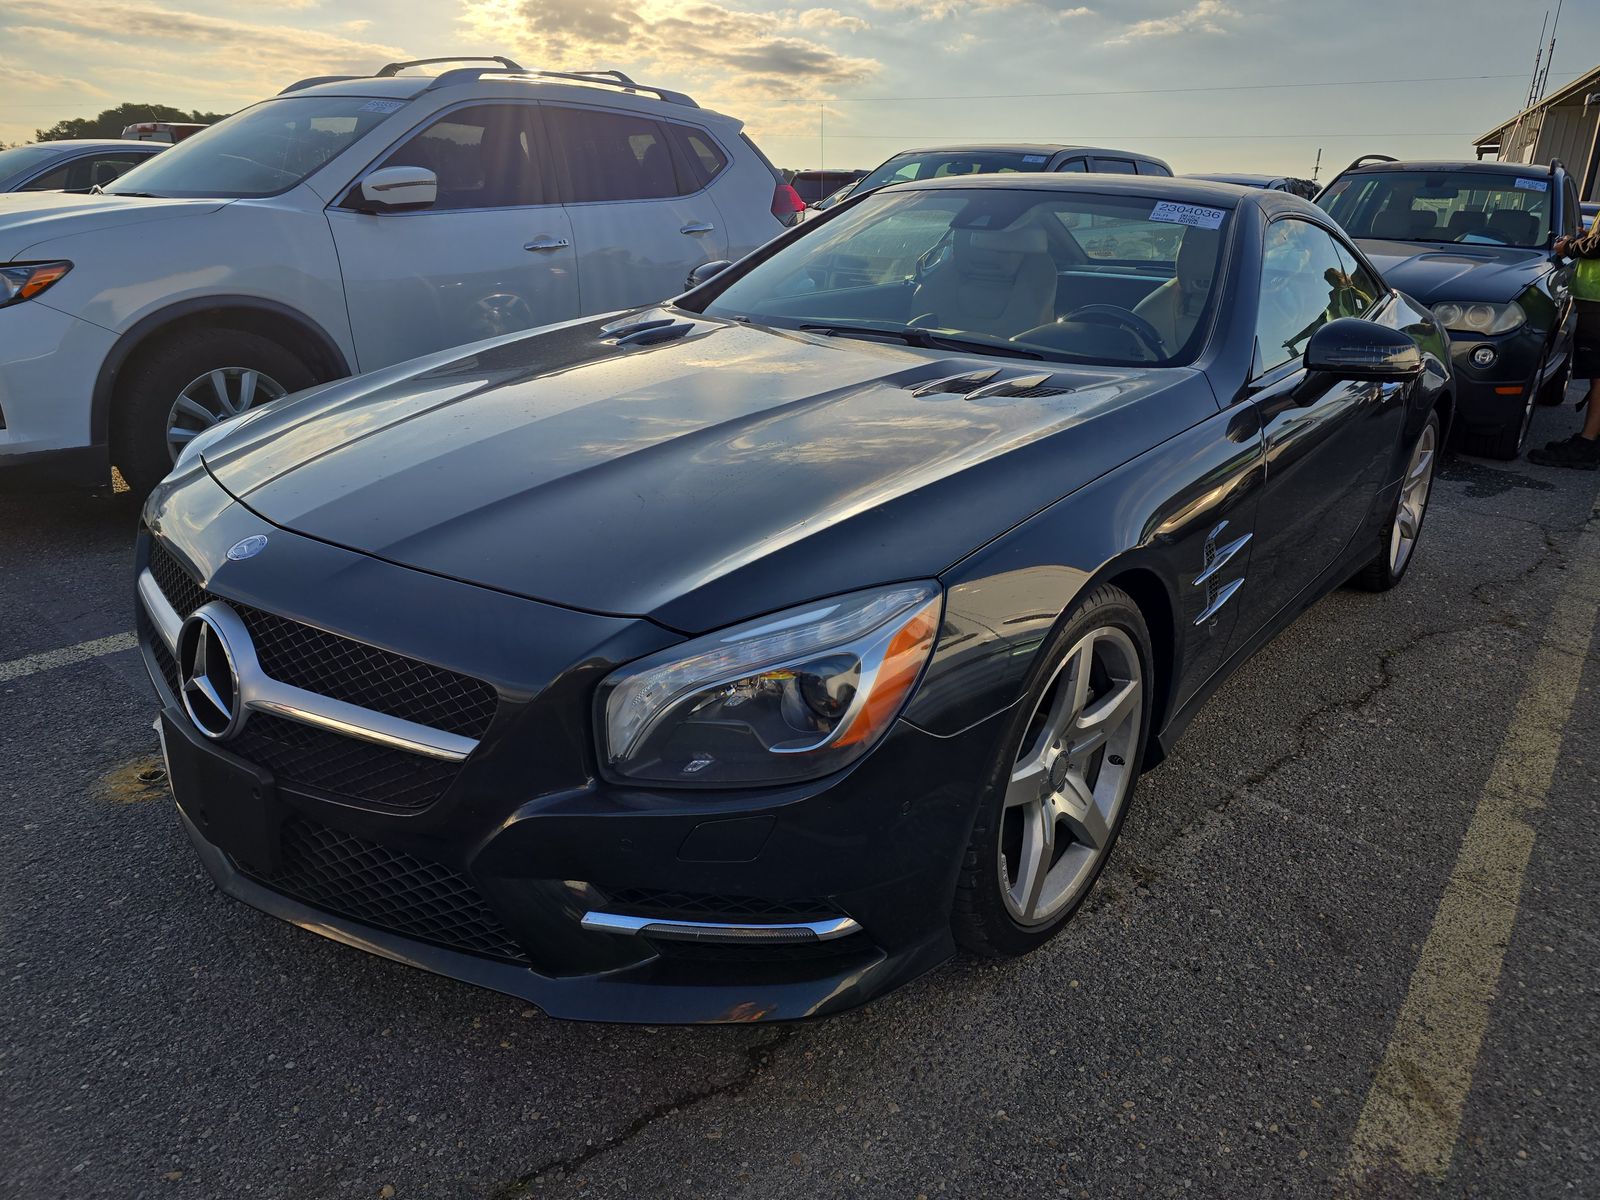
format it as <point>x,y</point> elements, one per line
<point>981,385</point>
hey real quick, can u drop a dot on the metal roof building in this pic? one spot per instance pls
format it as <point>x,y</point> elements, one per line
<point>1564,125</point>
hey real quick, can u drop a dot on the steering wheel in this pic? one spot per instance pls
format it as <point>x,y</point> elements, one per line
<point>1109,314</point>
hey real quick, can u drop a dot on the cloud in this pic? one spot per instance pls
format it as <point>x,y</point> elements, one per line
<point>939,10</point>
<point>729,51</point>
<point>252,57</point>
<point>37,81</point>
<point>1206,16</point>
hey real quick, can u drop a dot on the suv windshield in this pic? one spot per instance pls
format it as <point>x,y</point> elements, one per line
<point>935,164</point>
<point>261,151</point>
<point>1068,276</point>
<point>1468,207</point>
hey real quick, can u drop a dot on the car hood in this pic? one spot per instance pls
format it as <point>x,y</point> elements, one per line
<point>1431,273</point>
<point>715,476</point>
<point>28,219</point>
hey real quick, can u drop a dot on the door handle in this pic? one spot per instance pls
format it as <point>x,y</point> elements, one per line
<point>547,243</point>
<point>698,227</point>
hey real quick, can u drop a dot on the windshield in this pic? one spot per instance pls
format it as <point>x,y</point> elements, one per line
<point>1068,276</point>
<point>20,158</point>
<point>935,164</point>
<point>1466,207</point>
<point>261,151</point>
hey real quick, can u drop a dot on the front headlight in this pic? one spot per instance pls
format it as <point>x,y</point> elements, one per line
<point>24,281</point>
<point>786,697</point>
<point>1480,318</point>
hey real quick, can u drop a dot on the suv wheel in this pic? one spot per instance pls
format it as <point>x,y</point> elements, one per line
<point>1505,443</point>
<point>188,385</point>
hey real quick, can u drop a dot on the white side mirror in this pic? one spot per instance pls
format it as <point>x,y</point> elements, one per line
<point>391,189</point>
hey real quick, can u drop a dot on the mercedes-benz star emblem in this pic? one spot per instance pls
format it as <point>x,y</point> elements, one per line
<point>208,680</point>
<point>247,547</point>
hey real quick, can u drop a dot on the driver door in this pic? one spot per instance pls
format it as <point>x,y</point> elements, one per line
<point>1329,443</point>
<point>493,255</point>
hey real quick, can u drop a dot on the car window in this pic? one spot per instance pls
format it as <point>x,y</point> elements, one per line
<point>1114,166</point>
<point>1305,283</point>
<point>703,157</point>
<point>83,173</point>
<point>261,151</point>
<point>982,265</point>
<point>1572,224</point>
<point>936,164</point>
<point>1146,167</point>
<point>613,156</point>
<point>1074,164</point>
<point>1363,285</point>
<point>484,156</point>
<point>1468,207</point>
<point>19,158</point>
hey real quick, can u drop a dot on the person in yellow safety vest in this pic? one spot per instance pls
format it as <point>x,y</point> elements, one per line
<point>1582,449</point>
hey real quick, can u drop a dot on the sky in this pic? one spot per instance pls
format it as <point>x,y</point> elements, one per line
<point>1199,83</point>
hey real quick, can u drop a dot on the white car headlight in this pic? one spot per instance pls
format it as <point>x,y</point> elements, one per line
<point>1480,317</point>
<point>785,697</point>
<point>24,281</point>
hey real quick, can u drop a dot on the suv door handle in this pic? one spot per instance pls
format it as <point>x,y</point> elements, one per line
<point>547,243</point>
<point>698,227</point>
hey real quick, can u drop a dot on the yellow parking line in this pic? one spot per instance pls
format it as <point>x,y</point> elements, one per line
<point>34,663</point>
<point>1412,1114</point>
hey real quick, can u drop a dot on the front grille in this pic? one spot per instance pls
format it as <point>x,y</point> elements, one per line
<point>693,906</point>
<point>387,889</point>
<point>347,670</point>
<point>318,760</point>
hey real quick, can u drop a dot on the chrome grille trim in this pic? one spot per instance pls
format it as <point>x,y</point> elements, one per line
<point>720,931</point>
<point>259,692</point>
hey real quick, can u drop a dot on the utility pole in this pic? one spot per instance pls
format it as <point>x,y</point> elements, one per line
<point>1317,170</point>
<point>822,135</point>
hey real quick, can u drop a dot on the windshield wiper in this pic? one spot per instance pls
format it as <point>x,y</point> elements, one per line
<point>925,339</point>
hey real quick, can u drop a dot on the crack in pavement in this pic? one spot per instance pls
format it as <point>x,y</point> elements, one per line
<point>759,1058</point>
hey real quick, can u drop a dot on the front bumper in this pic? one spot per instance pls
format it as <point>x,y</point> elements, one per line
<point>49,362</point>
<point>1492,398</point>
<point>498,875</point>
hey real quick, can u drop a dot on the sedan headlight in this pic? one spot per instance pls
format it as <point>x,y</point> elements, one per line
<point>786,697</point>
<point>24,281</point>
<point>1480,318</point>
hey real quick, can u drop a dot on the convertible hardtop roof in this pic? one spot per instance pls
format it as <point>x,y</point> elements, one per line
<point>1156,187</point>
<point>1520,170</point>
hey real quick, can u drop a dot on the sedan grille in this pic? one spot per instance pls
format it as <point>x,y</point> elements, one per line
<point>387,889</point>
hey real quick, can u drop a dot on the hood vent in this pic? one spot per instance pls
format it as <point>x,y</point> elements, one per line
<point>981,385</point>
<point>645,331</point>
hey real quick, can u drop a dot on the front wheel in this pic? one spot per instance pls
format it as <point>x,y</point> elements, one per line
<point>1398,541</point>
<point>1059,788</point>
<point>189,384</point>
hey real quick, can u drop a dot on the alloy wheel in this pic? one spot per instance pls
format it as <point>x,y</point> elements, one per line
<point>216,396</point>
<point>1413,503</point>
<point>1071,777</point>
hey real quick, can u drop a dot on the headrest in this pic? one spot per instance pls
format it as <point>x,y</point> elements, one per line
<point>1514,226</point>
<point>1197,256</point>
<point>1465,220</point>
<point>996,253</point>
<point>1394,223</point>
<point>1025,239</point>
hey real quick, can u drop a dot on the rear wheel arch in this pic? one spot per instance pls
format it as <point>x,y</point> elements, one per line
<point>278,323</point>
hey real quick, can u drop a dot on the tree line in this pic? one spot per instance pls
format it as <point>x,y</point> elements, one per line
<point>111,122</point>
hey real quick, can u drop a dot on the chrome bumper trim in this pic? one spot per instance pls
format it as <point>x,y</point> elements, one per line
<point>259,692</point>
<point>718,931</point>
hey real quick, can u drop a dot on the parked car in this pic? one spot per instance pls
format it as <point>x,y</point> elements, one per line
<point>836,197</point>
<point>74,165</point>
<point>940,161</point>
<point>1275,183</point>
<point>813,186</point>
<point>1472,241</point>
<point>167,132</point>
<point>737,658</point>
<point>346,225</point>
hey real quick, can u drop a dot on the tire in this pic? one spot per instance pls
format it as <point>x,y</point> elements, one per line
<point>1396,547</point>
<point>1081,796</point>
<point>1554,392</point>
<point>147,404</point>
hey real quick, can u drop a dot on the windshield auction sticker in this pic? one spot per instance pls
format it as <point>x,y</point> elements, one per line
<point>1533,185</point>
<point>1188,214</point>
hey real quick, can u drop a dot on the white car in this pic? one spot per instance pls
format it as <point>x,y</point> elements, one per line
<point>73,164</point>
<point>343,226</point>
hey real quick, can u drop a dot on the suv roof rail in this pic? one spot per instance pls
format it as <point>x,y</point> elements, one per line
<point>614,79</point>
<point>1368,158</point>
<point>388,70</point>
<point>313,80</point>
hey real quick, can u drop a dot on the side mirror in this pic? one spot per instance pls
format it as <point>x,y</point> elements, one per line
<point>395,189</point>
<point>1351,348</point>
<point>705,272</point>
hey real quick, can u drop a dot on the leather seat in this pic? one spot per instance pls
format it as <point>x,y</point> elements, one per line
<point>1175,306</point>
<point>997,282</point>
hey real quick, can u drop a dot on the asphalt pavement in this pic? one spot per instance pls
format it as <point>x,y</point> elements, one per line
<point>1349,944</point>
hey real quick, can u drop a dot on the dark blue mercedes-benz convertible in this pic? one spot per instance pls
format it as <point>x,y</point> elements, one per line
<point>740,658</point>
